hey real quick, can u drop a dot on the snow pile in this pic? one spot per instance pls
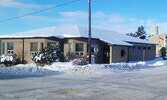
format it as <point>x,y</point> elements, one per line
<point>33,69</point>
<point>59,66</point>
<point>69,68</point>
<point>116,67</point>
<point>28,69</point>
<point>4,58</point>
<point>105,68</point>
<point>159,63</point>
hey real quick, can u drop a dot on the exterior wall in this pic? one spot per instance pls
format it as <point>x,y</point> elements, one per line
<point>27,51</point>
<point>73,42</point>
<point>18,47</point>
<point>115,54</point>
<point>115,51</point>
<point>98,57</point>
<point>160,42</point>
<point>136,54</point>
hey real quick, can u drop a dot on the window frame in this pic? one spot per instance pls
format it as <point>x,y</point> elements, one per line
<point>32,52</point>
<point>70,48</point>
<point>3,48</point>
<point>42,46</point>
<point>10,50</point>
<point>79,52</point>
<point>51,43</point>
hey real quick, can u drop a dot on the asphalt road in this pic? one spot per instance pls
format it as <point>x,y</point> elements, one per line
<point>118,86</point>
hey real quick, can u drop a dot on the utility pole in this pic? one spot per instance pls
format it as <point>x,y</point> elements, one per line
<point>89,40</point>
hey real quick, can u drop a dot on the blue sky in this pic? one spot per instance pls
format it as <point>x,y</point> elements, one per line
<point>123,16</point>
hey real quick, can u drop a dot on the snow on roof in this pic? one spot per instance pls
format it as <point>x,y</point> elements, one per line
<point>79,31</point>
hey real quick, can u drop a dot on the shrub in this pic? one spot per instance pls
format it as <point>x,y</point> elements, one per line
<point>76,59</point>
<point>70,57</point>
<point>163,52</point>
<point>79,61</point>
<point>7,61</point>
<point>17,58</point>
<point>47,56</point>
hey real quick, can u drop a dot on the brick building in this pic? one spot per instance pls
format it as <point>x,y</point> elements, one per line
<point>107,46</point>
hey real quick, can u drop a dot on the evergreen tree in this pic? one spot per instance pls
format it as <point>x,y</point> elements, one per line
<point>47,56</point>
<point>131,34</point>
<point>141,33</point>
<point>163,52</point>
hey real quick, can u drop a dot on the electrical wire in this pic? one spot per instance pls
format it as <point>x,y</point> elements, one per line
<point>40,11</point>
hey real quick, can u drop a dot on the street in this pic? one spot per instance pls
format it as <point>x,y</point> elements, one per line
<point>145,84</point>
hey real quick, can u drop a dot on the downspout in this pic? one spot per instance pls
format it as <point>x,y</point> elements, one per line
<point>0,48</point>
<point>23,52</point>
<point>128,54</point>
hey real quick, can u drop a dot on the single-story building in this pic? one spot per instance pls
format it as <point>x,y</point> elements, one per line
<point>107,46</point>
<point>160,40</point>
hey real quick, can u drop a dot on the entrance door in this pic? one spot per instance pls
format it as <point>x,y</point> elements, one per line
<point>106,54</point>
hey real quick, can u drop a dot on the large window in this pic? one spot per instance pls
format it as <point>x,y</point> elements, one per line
<point>34,48</point>
<point>70,48</point>
<point>51,44</point>
<point>79,48</point>
<point>10,48</point>
<point>42,46</point>
<point>3,48</point>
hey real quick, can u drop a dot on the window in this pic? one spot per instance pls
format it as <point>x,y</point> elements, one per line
<point>94,49</point>
<point>144,48</point>
<point>70,48</point>
<point>10,48</point>
<point>166,43</point>
<point>149,48</point>
<point>123,53</point>
<point>51,44</point>
<point>3,48</point>
<point>139,47</point>
<point>42,46</point>
<point>79,48</point>
<point>133,47</point>
<point>34,48</point>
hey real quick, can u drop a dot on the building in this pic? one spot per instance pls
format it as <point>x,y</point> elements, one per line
<point>107,46</point>
<point>160,40</point>
<point>154,30</point>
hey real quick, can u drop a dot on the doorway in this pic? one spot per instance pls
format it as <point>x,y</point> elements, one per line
<point>106,54</point>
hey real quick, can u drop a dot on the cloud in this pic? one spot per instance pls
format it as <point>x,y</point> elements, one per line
<point>116,18</point>
<point>76,14</point>
<point>113,22</point>
<point>162,27</point>
<point>48,19</point>
<point>14,4</point>
<point>99,15</point>
<point>117,28</point>
<point>112,18</point>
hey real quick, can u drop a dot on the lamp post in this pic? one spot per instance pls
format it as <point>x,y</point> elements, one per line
<point>89,40</point>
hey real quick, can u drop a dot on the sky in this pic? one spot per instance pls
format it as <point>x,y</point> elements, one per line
<point>123,16</point>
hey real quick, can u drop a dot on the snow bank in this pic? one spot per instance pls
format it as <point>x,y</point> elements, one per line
<point>68,68</point>
<point>33,69</point>
<point>105,68</point>
<point>117,67</point>
<point>29,69</point>
<point>59,66</point>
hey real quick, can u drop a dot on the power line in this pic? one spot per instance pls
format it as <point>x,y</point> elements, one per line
<point>40,11</point>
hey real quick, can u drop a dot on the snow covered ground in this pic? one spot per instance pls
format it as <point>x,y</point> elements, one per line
<point>122,81</point>
<point>68,68</point>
